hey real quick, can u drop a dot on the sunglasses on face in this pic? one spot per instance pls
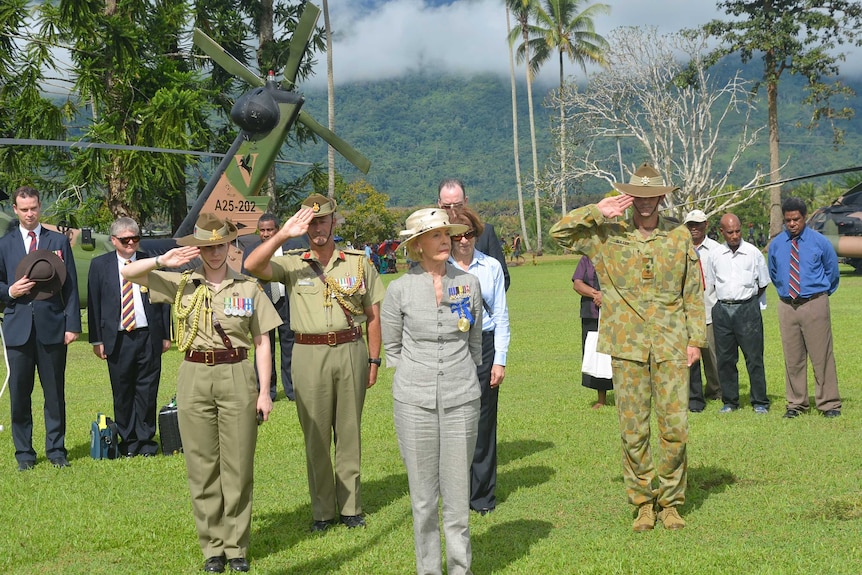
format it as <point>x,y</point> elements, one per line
<point>455,206</point>
<point>468,235</point>
<point>128,240</point>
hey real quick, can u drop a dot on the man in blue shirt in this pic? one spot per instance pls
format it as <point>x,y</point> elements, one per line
<point>803,267</point>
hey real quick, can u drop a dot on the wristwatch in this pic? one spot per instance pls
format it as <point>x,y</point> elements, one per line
<point>375,360</point>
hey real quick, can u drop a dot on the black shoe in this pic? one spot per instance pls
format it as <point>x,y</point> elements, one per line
<point>830,413</point>
<point>696,409</point>
<point>318,526</point>
<point>791,413</point>
<point>353,521</point>
<point>214,564</point>
<point>26,465</point>
<point>60,462</point>
<point>238,564</point>
<point>485,511</point>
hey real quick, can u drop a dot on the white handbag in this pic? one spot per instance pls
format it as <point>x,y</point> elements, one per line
<point>594,363</point>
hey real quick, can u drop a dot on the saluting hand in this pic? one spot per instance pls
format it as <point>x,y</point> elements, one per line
<point>615,205</point>
<point>179,256</point>
<point>297,224</point>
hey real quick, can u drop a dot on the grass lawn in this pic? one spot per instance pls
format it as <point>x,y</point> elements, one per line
<point>765,495</point>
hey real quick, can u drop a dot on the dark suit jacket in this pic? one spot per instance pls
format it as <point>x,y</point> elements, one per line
<point>53,316</point>
<point>103,305</point>
<point>489,244</point>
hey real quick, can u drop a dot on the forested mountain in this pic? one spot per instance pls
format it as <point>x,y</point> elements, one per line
<point>421,128</point>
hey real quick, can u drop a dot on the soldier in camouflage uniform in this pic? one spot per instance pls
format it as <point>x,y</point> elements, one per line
<point>653,326</point>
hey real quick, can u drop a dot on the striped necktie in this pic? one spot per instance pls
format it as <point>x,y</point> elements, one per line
<point>127,321</point>
<point>793,286</point>
<point>33,245</point>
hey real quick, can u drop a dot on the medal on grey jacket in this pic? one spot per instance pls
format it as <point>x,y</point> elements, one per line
<point>460,300</point>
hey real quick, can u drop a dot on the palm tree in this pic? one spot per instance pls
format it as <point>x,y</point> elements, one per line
<point>522,10</point>
<point>330,93</point>
<point>560,27</point>
<point>524,235</point>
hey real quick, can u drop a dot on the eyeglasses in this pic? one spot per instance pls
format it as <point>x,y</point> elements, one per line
<point>468,235</point>
<point>128,240</point>
<point>455,206</point>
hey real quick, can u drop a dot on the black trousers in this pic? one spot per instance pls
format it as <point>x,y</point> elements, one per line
<point>739,326</point>
<point>135,368</point>
<point>50,360</point>
<point>483,471</point>
<point>286,339</point>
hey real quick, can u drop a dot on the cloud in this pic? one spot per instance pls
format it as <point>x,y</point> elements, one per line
<point>395,37</point>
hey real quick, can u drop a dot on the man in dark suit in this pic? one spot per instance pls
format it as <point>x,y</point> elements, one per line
<point>36,330</point>
<point>131,334</point>
<point>267,225</point>
<point>451,196</point>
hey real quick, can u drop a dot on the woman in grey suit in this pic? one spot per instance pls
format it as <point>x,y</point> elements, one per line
<point>432,333</point>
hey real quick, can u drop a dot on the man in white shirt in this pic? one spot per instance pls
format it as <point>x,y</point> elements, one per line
<point>738,273</point>
<point>696,222</point>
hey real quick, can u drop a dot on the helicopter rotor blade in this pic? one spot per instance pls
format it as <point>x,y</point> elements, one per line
<point>299,41</point>
<point>231,65</point>
<point>349,152</point>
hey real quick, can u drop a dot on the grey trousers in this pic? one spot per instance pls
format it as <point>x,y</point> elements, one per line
<point>437,449</point>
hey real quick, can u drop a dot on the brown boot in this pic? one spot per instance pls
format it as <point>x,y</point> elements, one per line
<point>645,519</point>
<point>670,518</point>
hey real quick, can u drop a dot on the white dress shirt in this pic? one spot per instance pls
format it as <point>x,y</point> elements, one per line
<point>739,275</point>
<point>140,314</point>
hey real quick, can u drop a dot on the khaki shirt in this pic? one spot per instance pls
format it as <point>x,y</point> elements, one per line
<point>241,330</point>
<point>652,291</point>
<point>308,314</point>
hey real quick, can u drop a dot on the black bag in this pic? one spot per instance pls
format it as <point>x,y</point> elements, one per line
<point>104,438</point>
<point>169,429</point>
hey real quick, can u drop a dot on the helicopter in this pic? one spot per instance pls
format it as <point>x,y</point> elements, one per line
<point>841,222</point>
<point>265,115</point>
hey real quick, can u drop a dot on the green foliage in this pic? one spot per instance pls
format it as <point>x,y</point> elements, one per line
<point>802,37</point>
<point>367,219</point>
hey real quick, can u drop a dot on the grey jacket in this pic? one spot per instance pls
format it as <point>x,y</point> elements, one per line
<point>435,363</point>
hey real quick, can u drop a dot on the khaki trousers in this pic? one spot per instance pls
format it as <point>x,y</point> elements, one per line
<point>217,412</point>
<point>330,384</point>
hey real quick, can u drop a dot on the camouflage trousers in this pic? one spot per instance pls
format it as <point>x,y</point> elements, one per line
<point>637,387</point>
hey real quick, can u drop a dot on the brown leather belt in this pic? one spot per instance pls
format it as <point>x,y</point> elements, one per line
<point>330,338</point>
<point>217,356</point>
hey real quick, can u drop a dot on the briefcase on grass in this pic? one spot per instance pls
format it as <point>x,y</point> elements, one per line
<point>169,429</point>
<point>104,438</point>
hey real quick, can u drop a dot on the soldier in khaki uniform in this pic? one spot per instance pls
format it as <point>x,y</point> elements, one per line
<point>331,293</point>
<point>220,314</point>
<point>653,326</point>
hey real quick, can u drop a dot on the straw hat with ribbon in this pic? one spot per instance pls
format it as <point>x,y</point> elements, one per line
<point>425,220</point>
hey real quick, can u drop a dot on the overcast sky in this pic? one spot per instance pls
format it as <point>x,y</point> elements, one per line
<point>465,36</point>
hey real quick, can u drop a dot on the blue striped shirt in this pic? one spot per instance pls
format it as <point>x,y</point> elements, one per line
<point>818,264</point>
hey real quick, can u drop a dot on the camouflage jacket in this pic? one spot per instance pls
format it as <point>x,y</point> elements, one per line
<point>652,286</point>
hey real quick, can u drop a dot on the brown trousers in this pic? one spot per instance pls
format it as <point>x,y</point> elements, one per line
<point>806,331</point>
